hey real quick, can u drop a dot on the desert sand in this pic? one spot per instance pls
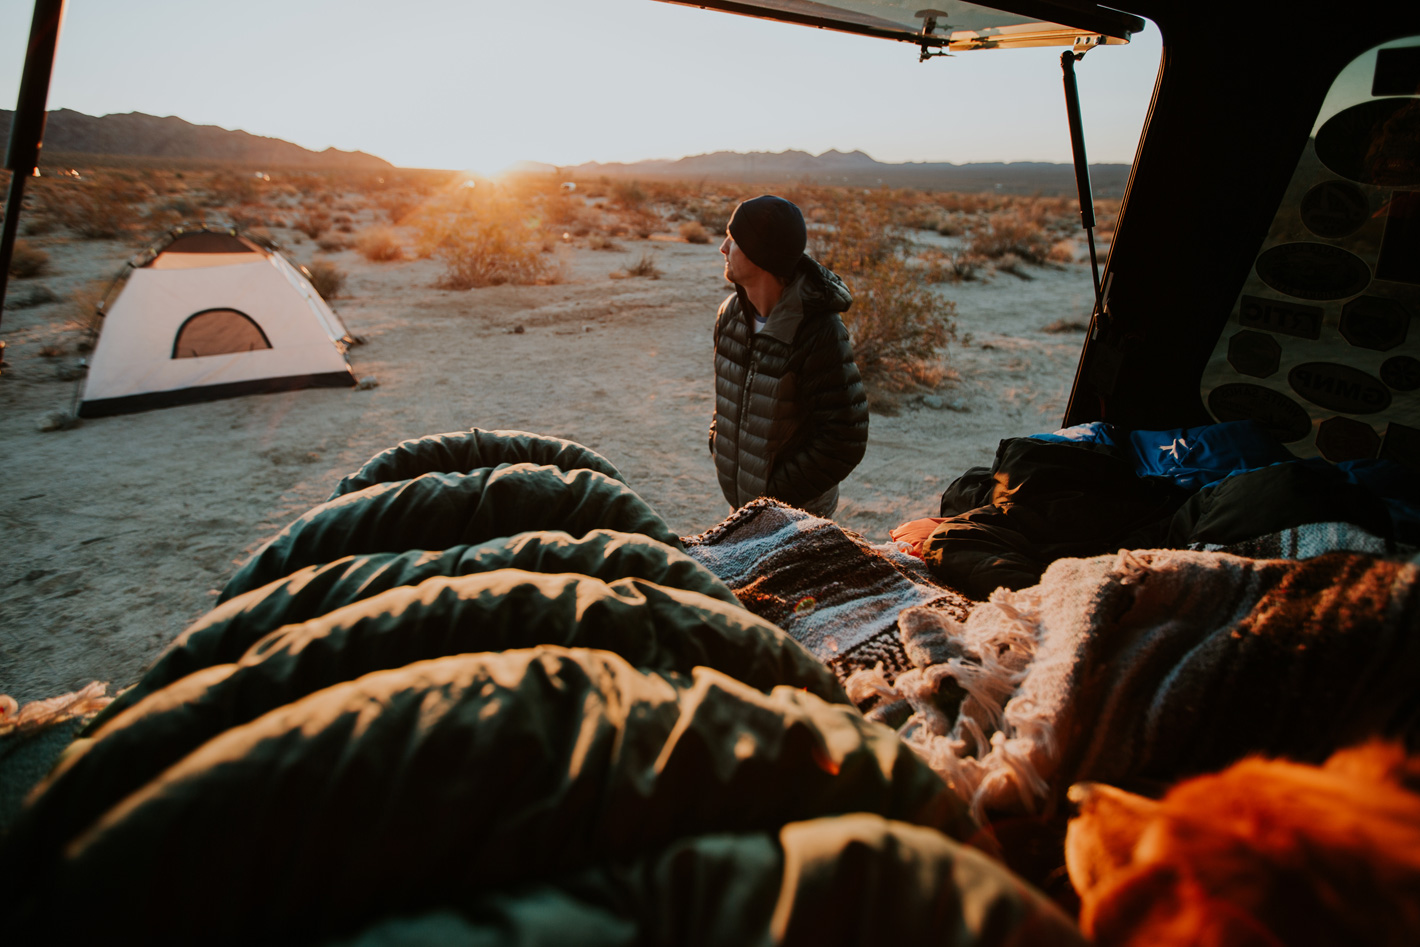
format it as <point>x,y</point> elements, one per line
<point>119,532</point>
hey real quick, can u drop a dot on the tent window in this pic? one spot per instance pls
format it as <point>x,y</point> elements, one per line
<point>218,332</point>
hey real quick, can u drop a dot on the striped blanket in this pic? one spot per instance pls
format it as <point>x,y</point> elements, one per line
<point>854,605</point>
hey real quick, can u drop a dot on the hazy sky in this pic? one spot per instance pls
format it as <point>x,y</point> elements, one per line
<point>480,84</point>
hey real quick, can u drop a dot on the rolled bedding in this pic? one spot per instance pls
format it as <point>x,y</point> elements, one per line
<point>497,705</point>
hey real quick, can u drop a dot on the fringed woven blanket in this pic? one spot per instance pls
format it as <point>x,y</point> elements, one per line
<point>1158,664</point>
<point>830,590</point>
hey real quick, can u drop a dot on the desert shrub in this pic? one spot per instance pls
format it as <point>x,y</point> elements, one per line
<point>490,253</point>
<point>1062,251</point>
<point>246,219</point>
<point>642,222</point>
<point>1012,232</point>
<point>379,245</point>
<point>181,205</point>
<point>712,211</point>
<point>693,231</point>
<point>921,218</point>
<point>900,327</point>
<point>643,266</point>
<point>27,297</point>
<point>37,225</point>
<point>398,206</point>
<point>313,223</point>
<point>327,278</point>
<point>600,241</point>
<point>949,226</point>
<point>95,210</point>
<point>234,188</point>
<point>566,208</point>
<point>1010,263</point>
<point>490,249</point>
<point>331,243</point>
<point>628,194</point>
<point>27,260</point>
<point>943,267</point>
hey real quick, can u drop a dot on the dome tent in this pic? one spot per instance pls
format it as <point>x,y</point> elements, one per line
<point>212,314</point>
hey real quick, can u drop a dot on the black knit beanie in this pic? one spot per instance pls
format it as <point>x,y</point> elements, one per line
<point>771,232</point>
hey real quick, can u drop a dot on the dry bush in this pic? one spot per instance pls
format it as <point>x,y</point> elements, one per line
<point>38,224</point>
<point>96,210</point>
<point>28,297</point>
<point>961,203</point>
<point>628,194</point>
<point>327,278</point>
<point>379,245</point>
<point>600,241</point>
<point>491,253</point>
<point>566,210</point>
<point>233,188</point>
<point>642,222</point>
<point>398,206</point>
<point>1062,251</point>
<point>486,241</point>
<point>643,266</point>
<point>900,328</point>
<point>944,267</point>
<point>246,219</point>
<point>712,210</point>
<point>182,205</point>
<point>27,260</point>
<point>331,243</point>
<point>950,226</point>
<point>693,231</point>
<point>1012,232</point>
<point>313,223</point>
<point>1010,263</point>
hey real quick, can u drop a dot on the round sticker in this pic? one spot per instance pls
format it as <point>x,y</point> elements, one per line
<point>1313,271</point>
<point>1283,418</point>
<point>1335,209</point>
<point>1401,372</point>
<point>1339,387</point>
<point>1376,142</point>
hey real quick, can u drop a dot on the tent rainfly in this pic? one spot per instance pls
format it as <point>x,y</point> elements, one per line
<point>212,314</point>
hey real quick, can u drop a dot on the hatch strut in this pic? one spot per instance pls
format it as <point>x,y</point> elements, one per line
<point>27,124</point>
<point>1082,167</point>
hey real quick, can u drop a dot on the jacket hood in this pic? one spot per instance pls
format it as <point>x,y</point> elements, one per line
<point>815,290</point>
<point>820,288</point>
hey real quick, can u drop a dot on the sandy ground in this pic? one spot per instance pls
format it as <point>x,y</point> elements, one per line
<point>118,533</point>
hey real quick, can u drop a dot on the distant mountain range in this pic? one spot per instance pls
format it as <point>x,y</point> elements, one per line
<point>135,134</point>
<point>148,136</point>
<point>858,169</point>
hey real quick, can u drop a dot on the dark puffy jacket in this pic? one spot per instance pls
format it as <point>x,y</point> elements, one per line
<point>791,415</point>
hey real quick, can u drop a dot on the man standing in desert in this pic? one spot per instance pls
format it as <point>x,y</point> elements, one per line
<point>791,415</point>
